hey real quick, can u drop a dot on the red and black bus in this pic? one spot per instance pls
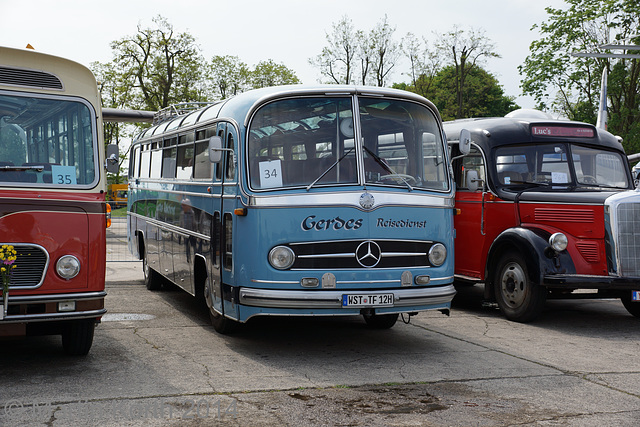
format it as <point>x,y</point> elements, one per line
<point>545,210</point>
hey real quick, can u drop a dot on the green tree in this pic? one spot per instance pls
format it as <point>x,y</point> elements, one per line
<point>354,56</point>
<point>337,61</point>
<point>227,76</point>
<point>483,96</point>
<point>268,73</point>
<point>466,51</point>
<point>571,85</point>
<point>159,66</point>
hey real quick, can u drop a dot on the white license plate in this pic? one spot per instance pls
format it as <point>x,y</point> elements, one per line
<point>635,295</point>
<point>367,300</point>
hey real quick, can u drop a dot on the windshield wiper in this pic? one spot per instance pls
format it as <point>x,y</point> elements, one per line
<point>532,183</point>
<point>329,169</point>
<point>388,168</point>
<point>36,168</point>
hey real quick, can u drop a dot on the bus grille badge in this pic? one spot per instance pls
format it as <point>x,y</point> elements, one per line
<point>366,200</point>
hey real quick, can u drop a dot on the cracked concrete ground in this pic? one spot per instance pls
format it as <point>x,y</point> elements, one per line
<point>157,361</point>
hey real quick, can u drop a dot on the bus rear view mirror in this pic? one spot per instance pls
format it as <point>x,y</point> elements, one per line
<point>113,162</point>
<point>215,149</point>
<point>464,143</point>
<point>472,180</point>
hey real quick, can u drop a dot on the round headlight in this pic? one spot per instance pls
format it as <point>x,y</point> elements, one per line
<point>68,267</point>
<point>281,257</point>
<point>558,242</point>
<point>437,254</point>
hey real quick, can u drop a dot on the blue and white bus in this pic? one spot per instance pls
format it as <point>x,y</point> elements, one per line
<point>298,201</point>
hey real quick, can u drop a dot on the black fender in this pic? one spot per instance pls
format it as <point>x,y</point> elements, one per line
<point>533,245</point>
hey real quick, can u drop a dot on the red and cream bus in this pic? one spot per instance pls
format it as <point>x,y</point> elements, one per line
<point>545,211</point>
<point>53,214</point>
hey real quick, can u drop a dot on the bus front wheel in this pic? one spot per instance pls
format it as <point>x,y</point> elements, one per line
<point>223,325</point>
<point>518,297</point>
<point>77,337</point>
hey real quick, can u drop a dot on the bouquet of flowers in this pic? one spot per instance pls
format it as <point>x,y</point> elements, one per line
<point>8,256</point>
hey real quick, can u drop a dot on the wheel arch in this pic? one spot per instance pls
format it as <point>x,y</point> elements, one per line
<point>533,245</point>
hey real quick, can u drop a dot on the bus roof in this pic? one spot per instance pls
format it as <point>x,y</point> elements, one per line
<point>32,71</point>
<point>242,106</point>
<point>498,131</point>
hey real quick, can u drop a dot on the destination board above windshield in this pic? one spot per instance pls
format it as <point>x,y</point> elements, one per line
<point>554,130</point>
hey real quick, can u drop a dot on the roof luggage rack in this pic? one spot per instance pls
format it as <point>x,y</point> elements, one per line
<point>177,110</point>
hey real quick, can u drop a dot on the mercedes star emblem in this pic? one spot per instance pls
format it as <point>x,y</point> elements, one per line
<point>367,200</point>
<point>368,254</point>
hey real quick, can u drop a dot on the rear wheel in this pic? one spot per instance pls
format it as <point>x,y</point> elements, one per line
<point>632,307</point>
<point>151,278</point>
<point>519,298</point>
<point>380,321</point>
<point>77,337</point>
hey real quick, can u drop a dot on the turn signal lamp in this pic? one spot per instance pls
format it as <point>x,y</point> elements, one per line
<point>108,214</point>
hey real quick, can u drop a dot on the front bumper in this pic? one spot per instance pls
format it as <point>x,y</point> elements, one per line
<point>44,308</point>
<point>314,299</point>
<point>583,281</point>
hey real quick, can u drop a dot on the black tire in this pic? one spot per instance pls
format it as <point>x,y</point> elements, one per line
<point>152,279</point>
<point>223,325</point>
<point>77,337</point>
<point>519,299</point>
<point>380,321</point>
<point>633,307</point>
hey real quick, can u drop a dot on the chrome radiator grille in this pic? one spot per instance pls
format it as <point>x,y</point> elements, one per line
<point>31,265</point>
<point>628,238</point>
<point>356,254</point>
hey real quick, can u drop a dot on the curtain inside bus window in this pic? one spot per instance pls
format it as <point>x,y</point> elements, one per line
<point>297,142</point>
<point>402,144</point>
<point>46,141</point>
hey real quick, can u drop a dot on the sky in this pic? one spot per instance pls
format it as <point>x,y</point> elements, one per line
<point>286,31</point>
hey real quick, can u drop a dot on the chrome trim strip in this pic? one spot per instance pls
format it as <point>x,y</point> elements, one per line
<point>333,299</point>
<point>56,297</point>
<point>352,255</point>
<point>168,227</point>
<point>276,282</point>
<point>351,198</point>
<point>19,318</point>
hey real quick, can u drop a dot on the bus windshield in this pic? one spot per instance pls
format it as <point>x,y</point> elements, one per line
<point>46,141</point>
<point>560,164</point>
<point>305,142</point>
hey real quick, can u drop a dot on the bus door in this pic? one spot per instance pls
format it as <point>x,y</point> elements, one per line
<point>470,223</point>
<point>225,192</point>
<point>229,197</point>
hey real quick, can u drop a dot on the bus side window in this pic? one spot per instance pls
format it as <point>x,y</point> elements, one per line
<point>156,161</point>
<point>169,162</point>
<point>221,130</point>
<point>203,167</point>
<point>230,164</point>
<point>145,161</point>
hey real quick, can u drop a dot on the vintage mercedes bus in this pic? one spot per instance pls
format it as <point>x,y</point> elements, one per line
<point>298,201</point>
<point>545,211</point>
<point>53,215</point>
